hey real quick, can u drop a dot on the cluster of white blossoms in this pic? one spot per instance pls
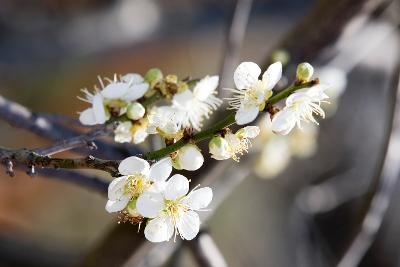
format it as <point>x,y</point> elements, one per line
<point>124,99</point>
<point>146,192</point>
<point>251,94</point>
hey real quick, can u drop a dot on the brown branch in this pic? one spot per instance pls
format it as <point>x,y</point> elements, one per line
<point>32,159</point>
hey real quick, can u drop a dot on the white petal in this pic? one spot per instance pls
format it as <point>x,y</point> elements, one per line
<point>159,229</point>
<point>116,188</point>
<point>98,109</point>
<point>136,91</point>
<point>317,92</point>
<point>133,165</point>
<point>189,158</point>
<point>246,115</point>
<point>272,75</point>
<point>177,186</point>
<point>87,117</point>
<point>250,131</point>
<point>246,75</point>
<point>117,205</point>
<point>189,225</point>
<point>283,122</point>
<point>115,90</point>
<point>132,78</point>
<point>200,198</point>
<point>205,87</point>
<point>161,170</point>
<point>183,99</point>
<point>150,204</point>
<point>140,135</point>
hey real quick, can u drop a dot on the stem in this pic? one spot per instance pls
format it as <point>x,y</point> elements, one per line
<point>226,122</point>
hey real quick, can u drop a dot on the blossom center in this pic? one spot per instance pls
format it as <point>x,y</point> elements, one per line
<point>137,184</point>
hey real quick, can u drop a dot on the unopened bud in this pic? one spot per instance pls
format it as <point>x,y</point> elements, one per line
<point>135,111</point>
<point>304,72</point>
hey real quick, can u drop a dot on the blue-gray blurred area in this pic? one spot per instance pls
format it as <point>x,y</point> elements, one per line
<point>50,49</point>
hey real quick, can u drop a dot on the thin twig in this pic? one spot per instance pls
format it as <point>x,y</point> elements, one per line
<point>78,141</point>
<point>234,39</point>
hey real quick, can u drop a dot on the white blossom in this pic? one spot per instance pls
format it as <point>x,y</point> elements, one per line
<point>138,178</point>
<point>198,104</point>
<point>97,114</point>
<point>173,211</point>
<point>130,87</point>
<point>165,120</point>
<point>233,145</point>
<point>188,158</point>
<point>127,132</point>
<point>300,106</point>
<point>251,93</point>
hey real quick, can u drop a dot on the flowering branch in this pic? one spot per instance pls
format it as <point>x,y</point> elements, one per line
<point>226,122</point>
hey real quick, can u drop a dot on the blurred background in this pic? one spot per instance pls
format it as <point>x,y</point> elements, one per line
<point>295,201</point>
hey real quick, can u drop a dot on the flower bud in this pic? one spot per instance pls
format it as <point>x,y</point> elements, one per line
<point>304,72</point>
<point>218,148</point>
<point>153,76</point>
<point>135,111</point>
<point>188,158</point>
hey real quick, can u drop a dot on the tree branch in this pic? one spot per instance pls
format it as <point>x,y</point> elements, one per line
<point>32,159</point>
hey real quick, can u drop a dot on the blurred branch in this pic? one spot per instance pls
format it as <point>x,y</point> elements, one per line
<point>206,252</point>
<point>87,181</point>
<point>21,117</point>
<point>234,39</point>
<point>387,179</point>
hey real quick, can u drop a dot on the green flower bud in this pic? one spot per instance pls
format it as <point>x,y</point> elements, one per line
<point>153,75</point>
<point>304,72</point>
<point>280,55</point>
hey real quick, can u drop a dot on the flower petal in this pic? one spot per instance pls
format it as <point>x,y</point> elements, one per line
<point>117,205</point>
<point>272,75</point>
<point>161,170</point>
<point>98,109</point>
<point>136,91</point>
<point>116,188</point>
<point>283,122</point>
<point>177,186</point>
<point>183,99</point>
<point>133,165</point>
<point>246,115</point>
<point>133,78</point>
<point>115,90</point>
<point>159,229</point>
<point>200,198</point>
<point>189,225</point>
<point>150,204</point>
<point>87,117</point>
<point>246,75</point>
<point>205,87</point>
